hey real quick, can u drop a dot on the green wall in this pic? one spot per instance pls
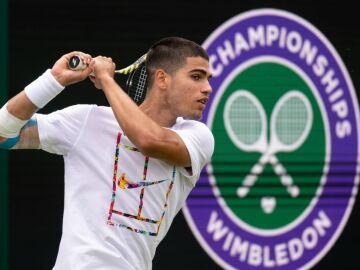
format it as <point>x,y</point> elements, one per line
<point>3,154</point>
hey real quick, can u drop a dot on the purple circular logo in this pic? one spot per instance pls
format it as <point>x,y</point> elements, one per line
<point>282,181</point>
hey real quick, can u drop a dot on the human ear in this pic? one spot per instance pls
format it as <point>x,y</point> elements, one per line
<point>161,79</point>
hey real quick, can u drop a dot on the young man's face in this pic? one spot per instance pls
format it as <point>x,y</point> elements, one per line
<point>190,88</point>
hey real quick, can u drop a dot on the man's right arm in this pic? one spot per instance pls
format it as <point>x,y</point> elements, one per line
<point>18,130</point>
<point>23,109</point>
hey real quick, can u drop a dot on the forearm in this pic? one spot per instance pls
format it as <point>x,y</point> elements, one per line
<point>16,131</point>
<point>35,96</point>
<point>144,132</point>
<point>148,136</point>
<point>15,114</point>
<point>46,87</point>
<point>136,124</point>
<point>21,107</point>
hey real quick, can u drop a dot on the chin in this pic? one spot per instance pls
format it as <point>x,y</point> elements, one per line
<point>194,114</point>
<point>193,117</point>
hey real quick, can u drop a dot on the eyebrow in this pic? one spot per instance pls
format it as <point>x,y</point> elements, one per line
<point>203,72</point>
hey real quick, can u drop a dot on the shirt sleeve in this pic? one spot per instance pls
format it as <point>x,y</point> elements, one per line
<point>199,142</point>
<point>60,130</point>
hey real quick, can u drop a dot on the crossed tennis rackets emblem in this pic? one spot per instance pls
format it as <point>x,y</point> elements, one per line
<point>247,126</point>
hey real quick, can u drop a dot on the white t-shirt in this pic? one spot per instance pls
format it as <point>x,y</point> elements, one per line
<point>119,204</point>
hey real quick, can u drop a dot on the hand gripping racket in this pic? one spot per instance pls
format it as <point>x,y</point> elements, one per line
<point>136,83</point>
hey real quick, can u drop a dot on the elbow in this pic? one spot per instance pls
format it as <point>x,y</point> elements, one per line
<point>147,146</point>
<point>8,143</point>
<point>164,146</point>
<point>156,146</point>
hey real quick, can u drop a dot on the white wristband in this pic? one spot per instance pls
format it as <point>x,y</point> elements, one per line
<point>10,125</point>
<point>43,89</point>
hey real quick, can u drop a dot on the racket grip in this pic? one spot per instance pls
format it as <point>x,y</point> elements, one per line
<point>75,63</point>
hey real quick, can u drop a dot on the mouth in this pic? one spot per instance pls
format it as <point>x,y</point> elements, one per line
<point>203,101</point>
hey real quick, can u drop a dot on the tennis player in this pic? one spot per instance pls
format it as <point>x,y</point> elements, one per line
<point>128,169</point>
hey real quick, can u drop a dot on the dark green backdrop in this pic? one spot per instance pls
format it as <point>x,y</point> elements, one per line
<point>3,154</point>
<point>41,31</point>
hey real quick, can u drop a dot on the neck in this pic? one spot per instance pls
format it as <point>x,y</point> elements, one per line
<point>158,110</point>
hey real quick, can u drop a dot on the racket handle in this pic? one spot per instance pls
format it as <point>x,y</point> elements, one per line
<point>75,63</point>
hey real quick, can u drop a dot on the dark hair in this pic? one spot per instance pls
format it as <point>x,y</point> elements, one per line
<point>170,54</point>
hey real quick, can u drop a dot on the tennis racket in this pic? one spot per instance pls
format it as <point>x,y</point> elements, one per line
<point>136,83</point>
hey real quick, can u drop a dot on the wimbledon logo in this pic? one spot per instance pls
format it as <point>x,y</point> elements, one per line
<point>283,178</point>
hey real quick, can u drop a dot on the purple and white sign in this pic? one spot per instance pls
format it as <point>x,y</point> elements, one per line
<point>283,178</point>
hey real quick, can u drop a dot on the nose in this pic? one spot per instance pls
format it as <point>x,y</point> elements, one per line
<point>207,89</point>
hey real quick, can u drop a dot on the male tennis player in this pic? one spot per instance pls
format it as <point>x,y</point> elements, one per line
<point>128,169</point>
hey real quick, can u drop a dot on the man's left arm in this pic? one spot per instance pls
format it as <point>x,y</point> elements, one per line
<point>149,137</point>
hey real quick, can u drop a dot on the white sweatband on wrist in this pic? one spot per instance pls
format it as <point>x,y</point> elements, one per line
<point>10,125</point>
<point>43,89</point>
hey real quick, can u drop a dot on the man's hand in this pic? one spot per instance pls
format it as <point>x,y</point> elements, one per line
<point>66,76</point>
<point>104,69</point>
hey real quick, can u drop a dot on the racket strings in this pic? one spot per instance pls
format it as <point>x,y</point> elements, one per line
<point>137,84</point>
<point>291,121</point>
<point>141,84</point>
<point>245,120</point>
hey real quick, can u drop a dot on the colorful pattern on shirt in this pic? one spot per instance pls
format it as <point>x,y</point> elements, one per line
<point>124,184</point>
